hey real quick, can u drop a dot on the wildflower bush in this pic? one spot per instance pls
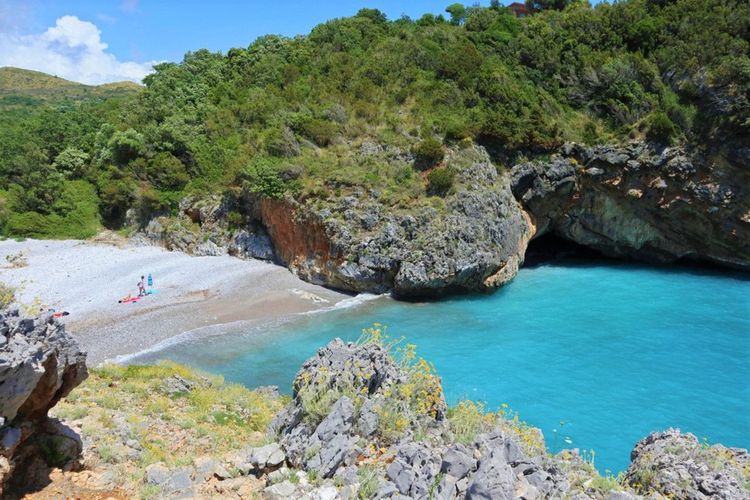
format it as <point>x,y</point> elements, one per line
<point>7,295</point>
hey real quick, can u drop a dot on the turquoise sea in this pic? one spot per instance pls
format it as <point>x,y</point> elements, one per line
<point>596,355</point>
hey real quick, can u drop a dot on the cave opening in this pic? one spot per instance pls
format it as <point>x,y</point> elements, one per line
<point>552,248</point>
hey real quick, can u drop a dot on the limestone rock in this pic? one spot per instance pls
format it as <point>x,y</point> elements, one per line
<point>477,242</point>
<point>614,199</point>
<point>39,364</point>
<point>678,466</point>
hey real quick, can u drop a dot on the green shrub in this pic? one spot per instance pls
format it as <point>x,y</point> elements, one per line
<point>428,152</point>
<point>150,203</point>
<point>590,134</point>
<point>440,181</point>
<point>280,141</point>
<point>660,128</point>
<point>126,146</point>
<point>75,214</point>
<point>262,176</point>
<point>321,132</point>
<point>167,172</point>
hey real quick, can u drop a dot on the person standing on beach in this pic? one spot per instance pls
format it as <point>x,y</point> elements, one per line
<point>142,286</point>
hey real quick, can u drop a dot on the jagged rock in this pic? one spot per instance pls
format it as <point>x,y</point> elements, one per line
<point>266,458</point>
<point>177,385</point>
<point>494,480</point>
<point>256,245</point>
<point>205,467</point>
<point>366,372</point>
<point>620,495</point>
<point>678,466</point>
<point>323,493</point>
<point>368,418</point>
<point>157,474</point>
<point>498,444</point>
<point>338,421</point>
<point>386,490</point>
<point>209,248</point>
<point>415,469</point>
<point>39,364</point>
<point>457,462</point>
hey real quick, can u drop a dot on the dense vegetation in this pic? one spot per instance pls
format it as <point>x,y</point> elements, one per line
<point>289,115</point>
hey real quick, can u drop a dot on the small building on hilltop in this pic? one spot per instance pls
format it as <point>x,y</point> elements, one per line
<point>519,9</point>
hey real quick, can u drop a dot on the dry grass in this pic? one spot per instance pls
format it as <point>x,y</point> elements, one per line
<point>130,419</point>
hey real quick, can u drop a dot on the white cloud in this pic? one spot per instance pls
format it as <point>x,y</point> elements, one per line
<point>72,49</point>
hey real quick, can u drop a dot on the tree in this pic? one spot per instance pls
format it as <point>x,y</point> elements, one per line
<point>373,14</point>
<point>126,146</point>
<point>71,162</point>
<point>457,12</point>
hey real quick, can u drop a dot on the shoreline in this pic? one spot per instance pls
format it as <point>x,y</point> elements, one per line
<point>216,330</point>
<point>87,278</point>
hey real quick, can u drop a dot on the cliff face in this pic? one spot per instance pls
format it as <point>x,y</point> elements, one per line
<point>640,202</point>
<point>634,202</point>
<point>39,364</point>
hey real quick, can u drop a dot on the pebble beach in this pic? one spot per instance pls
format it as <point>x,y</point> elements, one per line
<point>87,278</point>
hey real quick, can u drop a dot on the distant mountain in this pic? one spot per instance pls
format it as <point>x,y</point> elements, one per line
<point>18,82</point>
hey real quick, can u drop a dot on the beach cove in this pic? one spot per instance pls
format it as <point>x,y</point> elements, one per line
<point>596,355</point>
<point>87,279</point>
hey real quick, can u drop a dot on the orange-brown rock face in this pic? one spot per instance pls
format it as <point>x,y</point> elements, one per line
<point>299,238</point>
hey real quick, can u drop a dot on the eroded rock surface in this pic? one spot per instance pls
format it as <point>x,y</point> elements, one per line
<point>39,364</point>
<point>641,202</point>
<point>473,239</point>
<point>678,466</point>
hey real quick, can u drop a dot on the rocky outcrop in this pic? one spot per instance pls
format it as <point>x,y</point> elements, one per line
<point>678,466</point>
<point>367,420</point>
<point>472,239</point>
<point>209,226</point>
<point>641,202</point>
<point>357,417</point>
<point>39,364</point>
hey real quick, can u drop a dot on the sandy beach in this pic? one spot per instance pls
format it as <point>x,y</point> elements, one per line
<point>88,278</point>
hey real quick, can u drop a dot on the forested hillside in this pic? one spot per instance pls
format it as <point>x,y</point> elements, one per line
<point>286,115</point>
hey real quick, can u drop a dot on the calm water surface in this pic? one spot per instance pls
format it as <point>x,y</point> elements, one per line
<point>595,355</point>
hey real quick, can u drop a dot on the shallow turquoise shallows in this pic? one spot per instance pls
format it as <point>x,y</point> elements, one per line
<point>596,355</point>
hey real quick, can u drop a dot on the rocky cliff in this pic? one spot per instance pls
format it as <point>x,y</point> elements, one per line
<point>473,238</point>
<point>641,202</point>
<point>637,201</point>
<point>39,364</point>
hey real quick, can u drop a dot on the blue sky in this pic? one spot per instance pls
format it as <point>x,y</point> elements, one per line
<point>164,30</point>
<point>95,41</point>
